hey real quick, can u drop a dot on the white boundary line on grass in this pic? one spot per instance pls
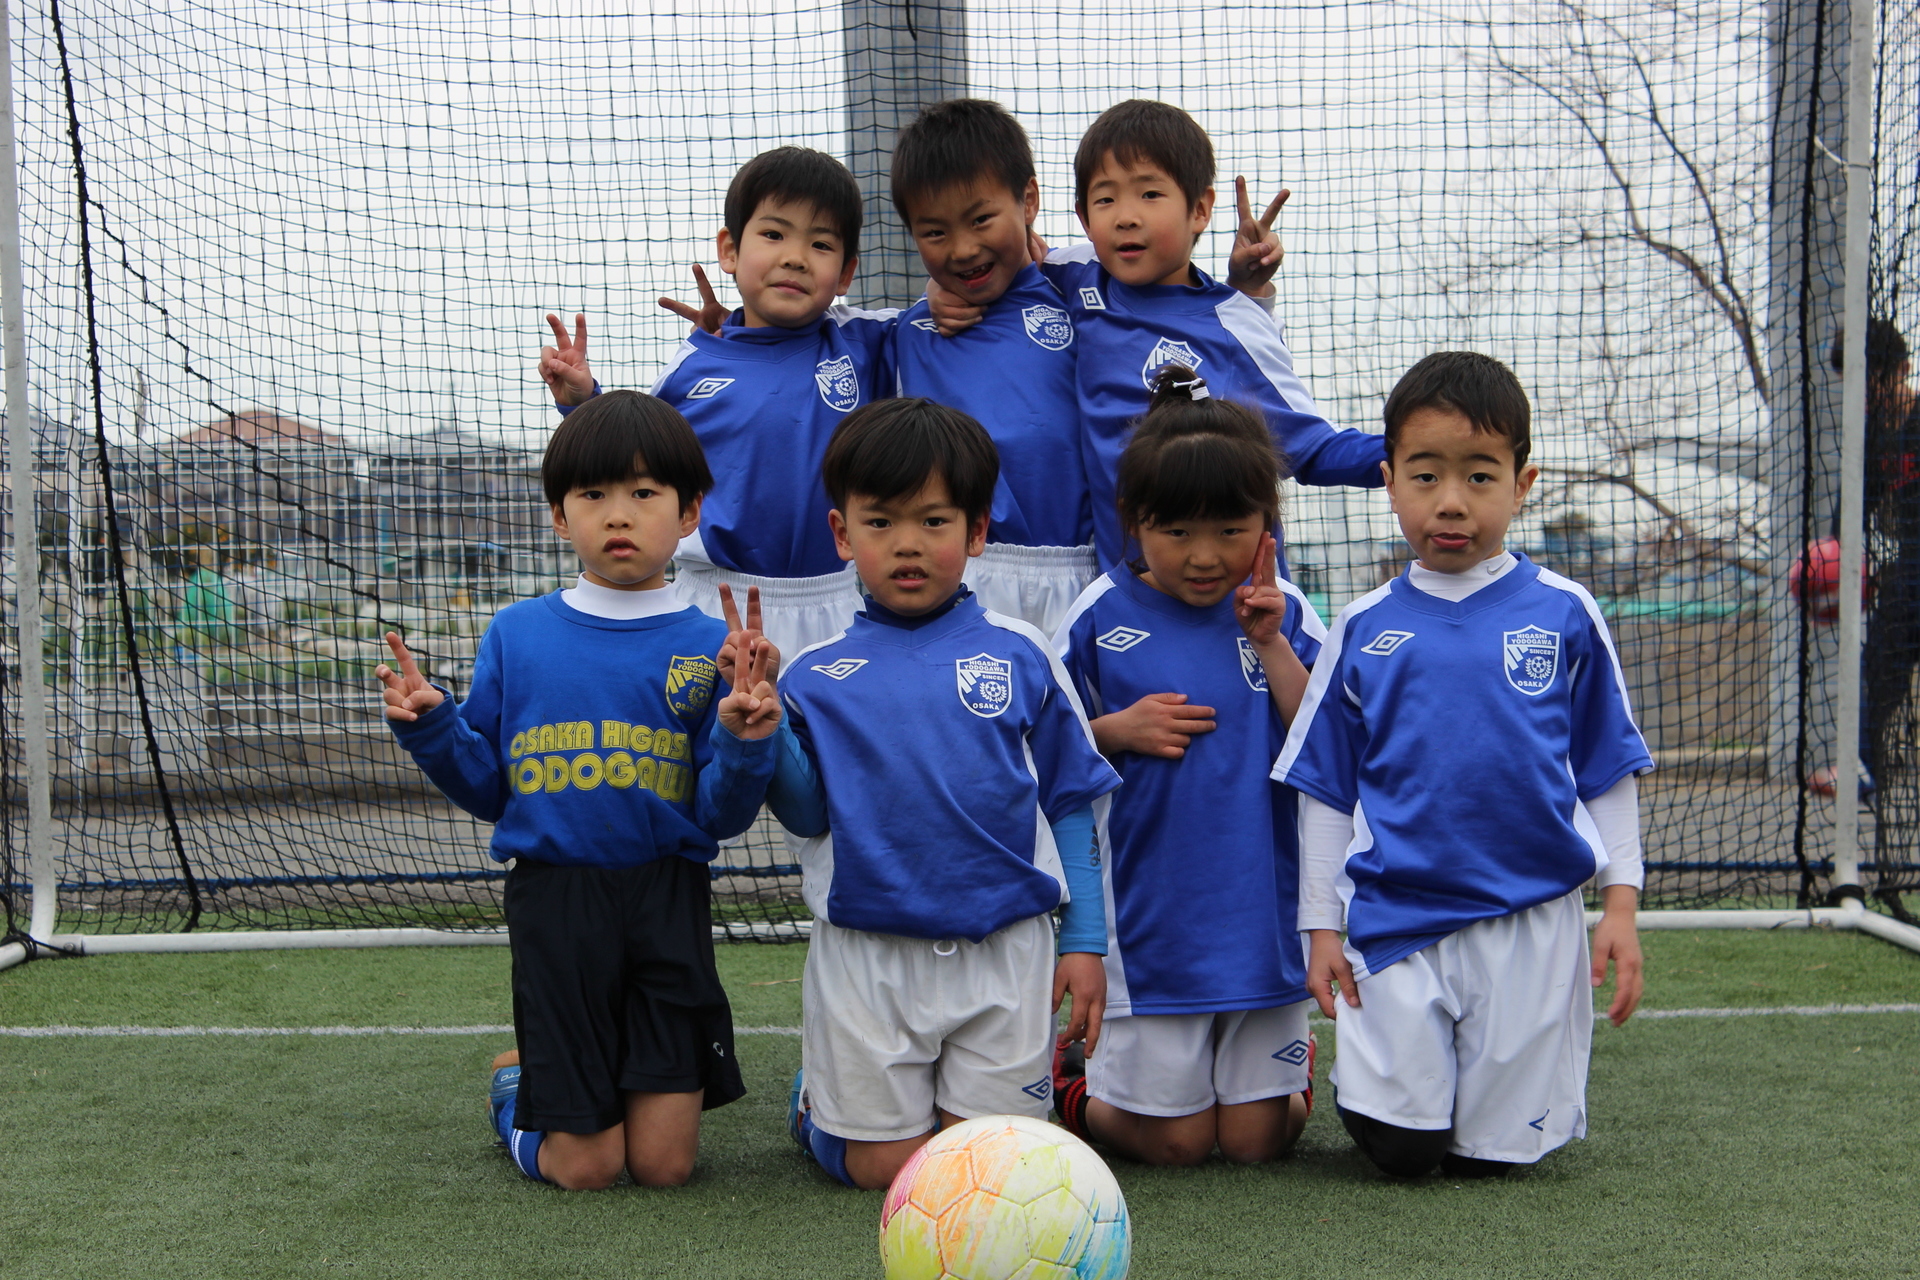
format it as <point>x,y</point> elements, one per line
<point>494,1029</point>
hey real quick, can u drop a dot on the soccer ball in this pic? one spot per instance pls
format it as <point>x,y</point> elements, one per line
<point>1005,1198</point>
<point>1814,580</point>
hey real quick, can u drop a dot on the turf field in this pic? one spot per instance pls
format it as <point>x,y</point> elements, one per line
<point>1745,1146</point>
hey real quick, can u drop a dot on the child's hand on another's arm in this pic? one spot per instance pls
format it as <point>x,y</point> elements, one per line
<point>1261,608</point>
<point>1082,975</point>
<point>711,314</point>
<point>407,695</point>
<point>950,311</point>
<point>751,711</point>
<point>1326,965</point>
<point>1257,251</point>
<point>563,366</point>
<point>1616,938</point>
<point>1160,724</point>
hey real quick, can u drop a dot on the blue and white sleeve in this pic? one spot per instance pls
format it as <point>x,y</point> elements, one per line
<point>1322,754</point>
<point>1317,452</point>
<point>797,794</point>
<point>1083,921</point>
<point>1606,745</point>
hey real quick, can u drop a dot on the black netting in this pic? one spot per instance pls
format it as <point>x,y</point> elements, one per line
<point>287,262</point>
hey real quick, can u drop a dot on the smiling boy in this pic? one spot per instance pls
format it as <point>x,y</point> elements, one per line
<point>765,392</point>
<point>592,739</point>
<point>960,784</point>
<point>1454,856</point>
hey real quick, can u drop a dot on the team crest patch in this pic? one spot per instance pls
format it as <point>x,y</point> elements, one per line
<point>1165,352</point>
<point>1121,639</point>
<point>1294,1054</point>
<point>986,684</point>
<point>841,668</point>
<point>839,385</point>
<point>1048,326</point>
<point>1250,665</point>
<point>708,387</point>
<point>1532,659</point>
<point>690,684</point>
<point>1386,642</point>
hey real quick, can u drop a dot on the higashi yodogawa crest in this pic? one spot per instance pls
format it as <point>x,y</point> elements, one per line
<point>1532,659</point>
<point>1165,352</point>
<point>986,684</point>
<point>1048,326</point>
<point>1250,665</point>
<point>839,384</point>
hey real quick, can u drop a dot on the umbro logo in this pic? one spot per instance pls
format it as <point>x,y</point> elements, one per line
<point>1041,1088</point>
<point>1121,639</point>
<point>1090,299</point>
<point>1294,1054</point>
<point>841,668</point>
<point>709,387</point>
<point>1386,642</point>
<point>1541,1123</point>
<point>928,323</point>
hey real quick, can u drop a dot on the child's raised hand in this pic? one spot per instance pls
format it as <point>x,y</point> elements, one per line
<point>1259,604</point>
<point>711,314</point>
<point>1160,724</point>
<point>408,695</point>
<point>1256,246</point>
<point>1327,964</point>
<point>751,711</point>
<point>740,636</point>
<point>950,311</point>
<point>563,366</point>
<point>1082,975</point>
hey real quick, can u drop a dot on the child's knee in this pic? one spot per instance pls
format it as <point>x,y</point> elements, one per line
<point>1401,1152</point>
<point>588,1163</point>
<point>670,1171</point>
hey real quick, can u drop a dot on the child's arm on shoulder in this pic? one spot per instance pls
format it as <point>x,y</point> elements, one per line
<point>563,366</point>
<point>1261,607</point>
<point>454,755</point>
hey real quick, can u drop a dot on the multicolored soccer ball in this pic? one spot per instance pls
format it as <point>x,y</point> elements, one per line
<point>1005,1198</point>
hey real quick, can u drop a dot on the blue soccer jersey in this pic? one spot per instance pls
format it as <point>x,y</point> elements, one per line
<point>1014,373</point>
<point>1202,853</point>
<point>764,402</point>
<point>945,751</point>
<point>1463,737</point>
<point>594,741</point>
<point>1127,333</point>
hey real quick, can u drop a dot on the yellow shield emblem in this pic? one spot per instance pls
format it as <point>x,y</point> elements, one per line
<point>690,684</point>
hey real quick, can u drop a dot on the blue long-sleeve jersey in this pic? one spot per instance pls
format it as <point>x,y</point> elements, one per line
<point>1014,373</point>
<point>594,741</point>
<point>764,402</point>
<point>1127,333</point>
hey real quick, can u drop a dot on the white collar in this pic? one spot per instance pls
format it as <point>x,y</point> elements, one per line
<point>1458,586</point>
<point>620,606</point>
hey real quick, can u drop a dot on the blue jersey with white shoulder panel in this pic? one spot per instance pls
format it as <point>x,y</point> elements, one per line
<point>1202,855</point>
<point>945,751</point>
<point>764,402</point>
<point>1127,333</point>
<point>1463,736</point>
<point>1013,372</point>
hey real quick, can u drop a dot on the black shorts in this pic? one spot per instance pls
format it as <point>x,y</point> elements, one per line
<point>614,991</point>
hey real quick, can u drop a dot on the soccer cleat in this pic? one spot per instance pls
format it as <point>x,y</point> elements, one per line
<point>1070,1086</point>
<point>797,1109</point>
<point>501,1096</point>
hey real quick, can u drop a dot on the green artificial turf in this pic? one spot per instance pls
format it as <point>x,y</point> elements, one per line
<point>1753,1146</point>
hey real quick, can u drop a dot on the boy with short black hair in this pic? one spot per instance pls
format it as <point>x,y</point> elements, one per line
<point>1466,1021</point>
<point>951,808</point>
<point>592,740</point>
<point>766,390</point>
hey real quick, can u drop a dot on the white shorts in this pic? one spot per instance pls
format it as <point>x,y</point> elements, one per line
<point>1034,584</point>
<point>896,1027</point>
<point>1486,1032</point>
<point>1177,1064</point>
<point>794,612</point>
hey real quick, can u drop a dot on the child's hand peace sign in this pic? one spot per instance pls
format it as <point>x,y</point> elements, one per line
<point>408,695</point>
<point>563,366</point>
<point>752,710</point>
<point>1257,251</point>
<point>1260,605</point>
<point>740,637</point>
<point>711,314</point>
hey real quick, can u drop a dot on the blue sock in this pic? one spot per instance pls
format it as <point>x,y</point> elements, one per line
<point>524,1147</point>
<point>829,1150</point>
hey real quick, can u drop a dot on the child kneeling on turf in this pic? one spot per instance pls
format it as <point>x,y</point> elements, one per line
<point>592,740</point>
<point>1192,662</point>
<point>953,808</point>
<point>1467,761</point>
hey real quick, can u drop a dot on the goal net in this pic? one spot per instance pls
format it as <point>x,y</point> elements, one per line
<point>286,267</point>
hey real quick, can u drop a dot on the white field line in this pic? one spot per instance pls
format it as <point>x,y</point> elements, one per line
<point>55,1032</point>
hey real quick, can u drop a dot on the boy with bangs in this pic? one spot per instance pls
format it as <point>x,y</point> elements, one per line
<point>592,739</point>
<point>765,390</point>
<point>1465,1011</point>
<point>947,794</point>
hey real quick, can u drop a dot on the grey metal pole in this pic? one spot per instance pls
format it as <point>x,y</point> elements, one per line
<point>26,524</point>
<point>1853,447</point>
<point>901,56</point>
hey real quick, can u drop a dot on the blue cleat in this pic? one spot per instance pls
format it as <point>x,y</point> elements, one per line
<point>797,1115</point>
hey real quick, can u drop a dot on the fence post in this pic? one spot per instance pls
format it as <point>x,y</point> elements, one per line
<point>26,523</point>
<point>901,56</point>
